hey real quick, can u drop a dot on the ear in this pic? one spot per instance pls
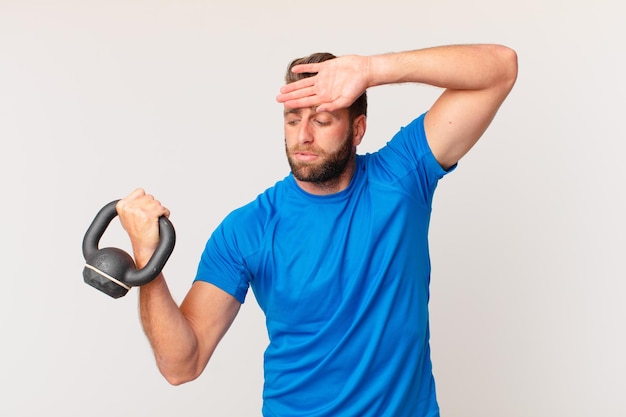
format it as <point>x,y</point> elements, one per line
<point>358,129</point>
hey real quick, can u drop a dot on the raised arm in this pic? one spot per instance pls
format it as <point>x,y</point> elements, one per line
<point>183,339</point>
<point>476,79</point>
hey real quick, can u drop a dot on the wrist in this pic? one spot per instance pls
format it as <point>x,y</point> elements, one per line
<point>379,69</point>
<point>142,255</point>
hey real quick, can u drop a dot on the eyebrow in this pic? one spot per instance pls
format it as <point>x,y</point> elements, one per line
<point>292,111</point>
<point>298,111</point>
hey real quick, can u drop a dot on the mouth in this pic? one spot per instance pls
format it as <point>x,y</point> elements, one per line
<point>305,156</point>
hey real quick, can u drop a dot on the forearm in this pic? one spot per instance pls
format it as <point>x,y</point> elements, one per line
<point>182,344</point>
<point>171,336</point>
<point>458,67</point>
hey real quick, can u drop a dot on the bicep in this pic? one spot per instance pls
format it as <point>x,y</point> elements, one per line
<point>210,311</point>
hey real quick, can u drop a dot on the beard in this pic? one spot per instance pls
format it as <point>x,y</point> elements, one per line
<point>329,167</point>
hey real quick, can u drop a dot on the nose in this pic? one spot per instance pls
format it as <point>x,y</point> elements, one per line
<point>305,133</point>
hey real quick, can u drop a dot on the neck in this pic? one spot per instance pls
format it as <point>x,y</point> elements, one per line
<point>333,185</point>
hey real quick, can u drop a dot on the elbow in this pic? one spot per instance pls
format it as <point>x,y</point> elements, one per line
<point>180,369</point>
<point>178,378</point>
<point>176,381</point>
<point>508,58</point>
<point>180,372</point>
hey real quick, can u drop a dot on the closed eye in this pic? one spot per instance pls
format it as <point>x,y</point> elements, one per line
<point>322,122</point>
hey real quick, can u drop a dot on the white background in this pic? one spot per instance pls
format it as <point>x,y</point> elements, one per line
<point>527,235</point>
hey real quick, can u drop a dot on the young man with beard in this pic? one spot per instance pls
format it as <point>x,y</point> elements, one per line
<point>337,252</point>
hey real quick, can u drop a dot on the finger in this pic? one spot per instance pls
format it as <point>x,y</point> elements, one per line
<point>339,103</point>
<point>296,85</point>
<point>135,194</point>
<point>306,102</point>
<point>301,68</point>
<point>159,209</point>
<point>123,202</point>
<point>137,202</point>
<point>296,94</point>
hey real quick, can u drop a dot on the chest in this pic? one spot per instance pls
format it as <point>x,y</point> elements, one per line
<point>327,258</point>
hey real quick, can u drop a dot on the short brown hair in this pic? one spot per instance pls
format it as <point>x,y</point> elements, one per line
<point>359,107</point>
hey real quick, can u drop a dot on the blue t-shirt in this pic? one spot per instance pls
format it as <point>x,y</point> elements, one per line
<point>343,281</point>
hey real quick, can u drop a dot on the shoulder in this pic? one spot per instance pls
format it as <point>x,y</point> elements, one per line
<point>255,213</point>
<point>411,139</point>
<point>406,149</point>
<point>407,162</point>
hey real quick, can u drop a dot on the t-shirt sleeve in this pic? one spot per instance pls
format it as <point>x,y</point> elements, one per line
<point>408,159</point>
<point>222,263</point>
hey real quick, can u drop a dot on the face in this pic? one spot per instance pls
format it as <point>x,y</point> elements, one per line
<point>319,146</point>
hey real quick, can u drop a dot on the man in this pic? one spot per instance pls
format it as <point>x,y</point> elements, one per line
<point>337,252</point>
